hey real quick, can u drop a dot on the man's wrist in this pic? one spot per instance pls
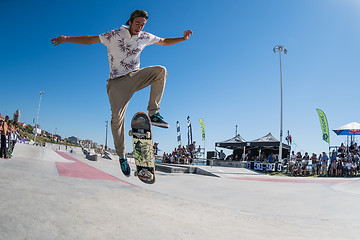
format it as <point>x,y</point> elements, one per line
<point>67,38</point>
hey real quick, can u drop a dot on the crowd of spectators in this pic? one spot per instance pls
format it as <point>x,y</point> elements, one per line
<point>342,163</point>
<point>249,156</point>
<point>182,154</point>
<point>9,134</point>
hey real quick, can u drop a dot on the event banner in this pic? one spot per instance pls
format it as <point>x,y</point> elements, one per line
<point>202,128</point>
<point>189,131</point>
<point>324,125</point>
<point>178,133</point>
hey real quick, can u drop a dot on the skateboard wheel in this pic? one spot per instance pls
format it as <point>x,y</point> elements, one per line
<point>135,173</point>
<point>130,133</point>
<point>148,135</point>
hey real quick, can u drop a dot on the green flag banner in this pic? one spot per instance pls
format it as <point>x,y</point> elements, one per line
<point>202,128</point>
<point>324,125</point>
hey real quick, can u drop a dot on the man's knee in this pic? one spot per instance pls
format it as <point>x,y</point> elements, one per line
<point>160,70</point>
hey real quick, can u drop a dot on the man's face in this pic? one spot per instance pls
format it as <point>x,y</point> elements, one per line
<point>137,25</point>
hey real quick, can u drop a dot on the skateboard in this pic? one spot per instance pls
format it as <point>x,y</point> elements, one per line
<point>143,147</point>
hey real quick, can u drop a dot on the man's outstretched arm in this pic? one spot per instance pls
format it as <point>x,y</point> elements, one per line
<point>79,40</point>
<point>172,41</point>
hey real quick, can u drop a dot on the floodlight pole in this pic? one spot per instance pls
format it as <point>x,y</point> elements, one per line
<point>280,49</point>
<point>37,116</point>
<point>106,122</point>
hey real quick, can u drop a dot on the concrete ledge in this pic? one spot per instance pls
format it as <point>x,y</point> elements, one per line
<point>204,172</point>
<point>175,168</point>
<point>169,169</point>
<point>106,155</point>
<point>91,157</point>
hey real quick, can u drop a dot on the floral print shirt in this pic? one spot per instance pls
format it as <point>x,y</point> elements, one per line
<point>124,50</point>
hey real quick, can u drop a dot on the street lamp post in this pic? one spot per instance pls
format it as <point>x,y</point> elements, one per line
<point>106,134</point>
<point>280,49</point>
<point>37,116</point>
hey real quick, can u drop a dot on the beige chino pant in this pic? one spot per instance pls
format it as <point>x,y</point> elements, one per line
<point>121,89</point>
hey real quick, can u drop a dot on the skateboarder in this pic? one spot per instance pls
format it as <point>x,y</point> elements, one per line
<point>124,46</point>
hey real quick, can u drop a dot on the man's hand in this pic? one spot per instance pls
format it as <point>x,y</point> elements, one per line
<point>58,40</point>
<point>187,34</point>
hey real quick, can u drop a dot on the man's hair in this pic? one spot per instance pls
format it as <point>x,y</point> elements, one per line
<point>137,13</point>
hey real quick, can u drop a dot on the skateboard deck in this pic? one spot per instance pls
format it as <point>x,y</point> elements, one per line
<point>143,147</point>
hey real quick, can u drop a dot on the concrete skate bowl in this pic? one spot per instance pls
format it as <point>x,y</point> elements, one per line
<point>348,187</point>
<point>38,153</point>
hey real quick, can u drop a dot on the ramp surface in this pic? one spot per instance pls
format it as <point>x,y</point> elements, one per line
<point>36,202</point>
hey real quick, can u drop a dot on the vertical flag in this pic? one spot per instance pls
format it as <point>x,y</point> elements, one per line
<point>189,131</point>
<point>178,133</point>
<point>324,125</point>
<point>202,128</point>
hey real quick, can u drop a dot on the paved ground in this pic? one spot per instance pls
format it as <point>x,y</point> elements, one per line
<point>60,195</point>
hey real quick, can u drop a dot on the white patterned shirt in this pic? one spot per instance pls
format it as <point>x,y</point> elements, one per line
<point>124,50</point>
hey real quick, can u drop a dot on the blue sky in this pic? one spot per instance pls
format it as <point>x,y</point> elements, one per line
<point>226,73</point>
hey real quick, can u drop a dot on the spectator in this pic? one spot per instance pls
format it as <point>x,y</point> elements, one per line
<point>356,148</point>
<point>262,157</point>
<point>295,169</point>
<point>271,158</point>
<point>222,155</point>
<point>354,168</point>
<point>348,167</point>
<point>155,148</point>
<point>303,169</point>
<point>333,168</point>
<point>192,149</point>
<point>13,136</point>
<point>342,150</point>
<point>298,157</point>
<point>3,132</point>
<point>307,163</point>
<point>340,168</point>
<point>198,150</point>
<point>249,156</point>
<point>165,158</point>
<point>323,161</point>
<point>319,165</point>
<point>314,163</point>
<point>333,165</point>
<point>345,171</point>
<point>356,157</point>
<point>293,157</point>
